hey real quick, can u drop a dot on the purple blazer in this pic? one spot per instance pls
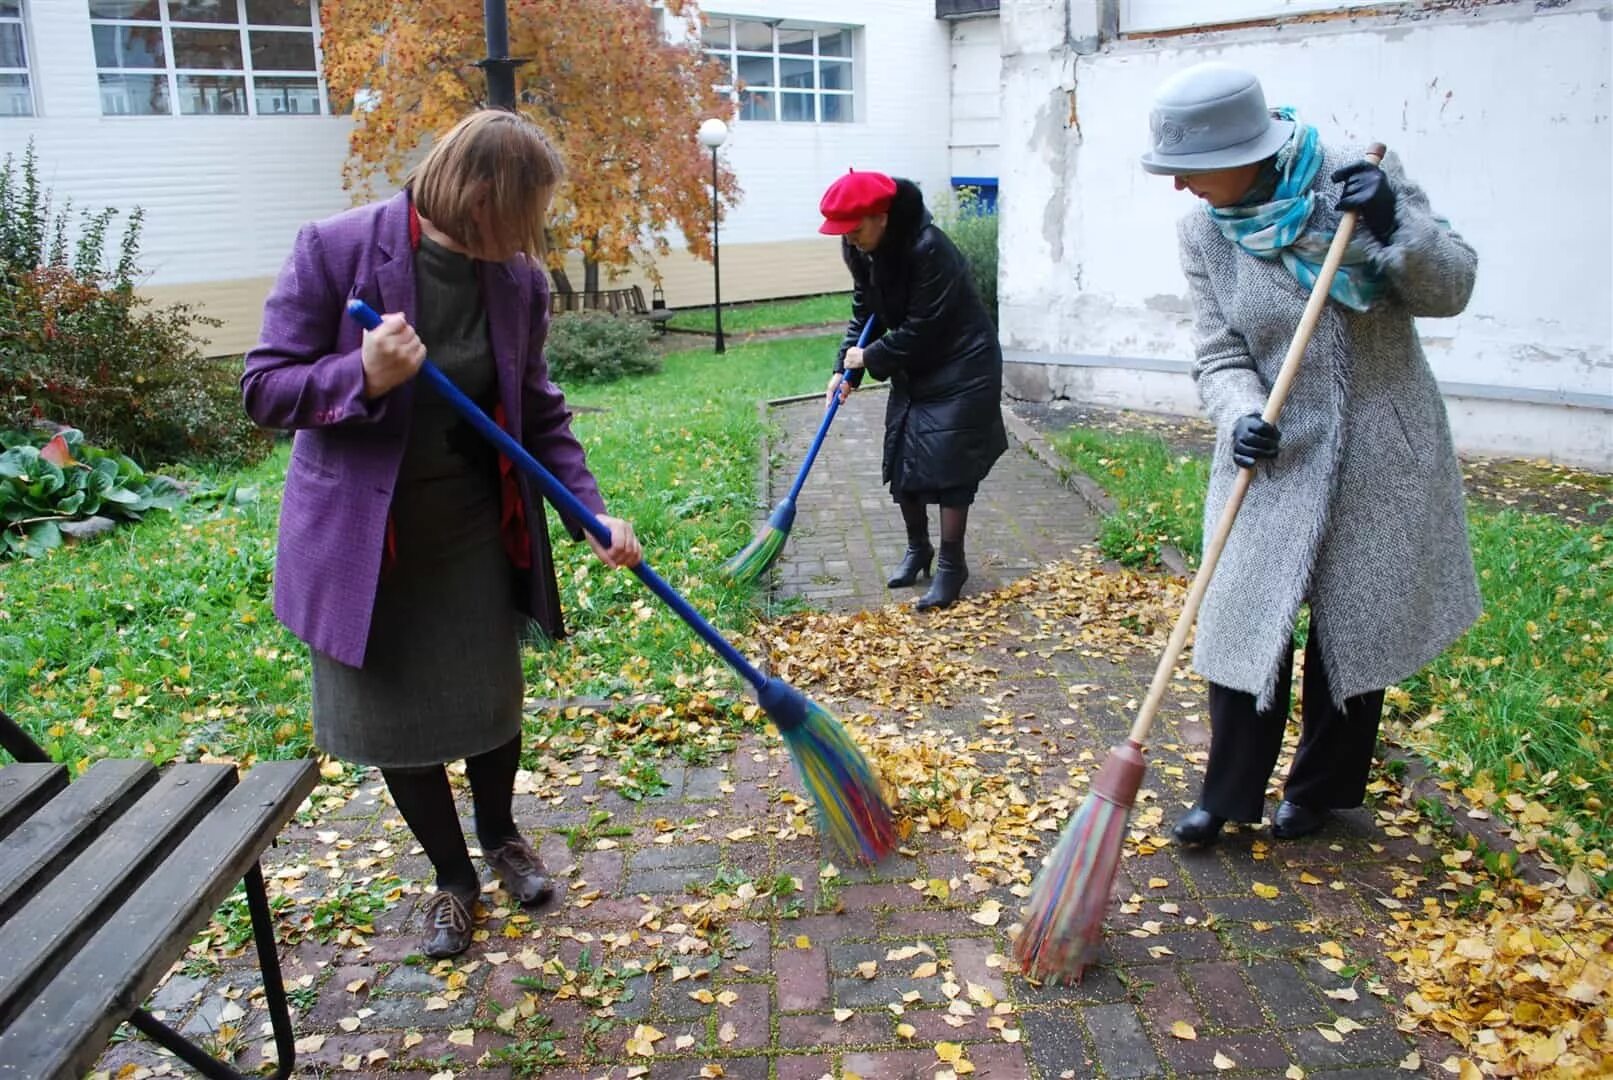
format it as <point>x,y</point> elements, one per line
<point>305,375</point>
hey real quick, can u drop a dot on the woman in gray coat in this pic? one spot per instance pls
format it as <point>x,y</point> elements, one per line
<point>1357,505</point>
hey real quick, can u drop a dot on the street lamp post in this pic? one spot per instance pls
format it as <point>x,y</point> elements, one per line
<point>713,133</point>
<point>499,66</point>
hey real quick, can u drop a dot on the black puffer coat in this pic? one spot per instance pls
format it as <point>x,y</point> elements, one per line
<point>943,424</point>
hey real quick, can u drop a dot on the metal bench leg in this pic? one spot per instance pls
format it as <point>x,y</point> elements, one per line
<point>274,995</point>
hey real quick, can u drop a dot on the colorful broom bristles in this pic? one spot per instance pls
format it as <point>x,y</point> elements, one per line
<point>1064,920</point>
<point>1064,927</point>
<point>762,552</point>
<point>851,804</point>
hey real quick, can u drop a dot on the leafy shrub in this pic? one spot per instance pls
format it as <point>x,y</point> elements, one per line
<point>973,228</point>
<point>79,347</point>
<point>42,486</point>
<point>595,347</point>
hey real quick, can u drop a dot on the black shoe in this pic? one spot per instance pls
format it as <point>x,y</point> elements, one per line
<point>950,574</point>
<point>1198,828</point>
<point>916,561</point>
<point>521,872</point>
<point>448,924</point>
<point>1292,821</point>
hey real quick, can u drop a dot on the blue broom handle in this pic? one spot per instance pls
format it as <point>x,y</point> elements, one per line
<point>828,416</point>
<point>565,501</point>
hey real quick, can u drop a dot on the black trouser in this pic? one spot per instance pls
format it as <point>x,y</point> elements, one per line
<point>1335,745</point>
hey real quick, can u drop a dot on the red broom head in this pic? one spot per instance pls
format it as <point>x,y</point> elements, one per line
<point>1064,922</point>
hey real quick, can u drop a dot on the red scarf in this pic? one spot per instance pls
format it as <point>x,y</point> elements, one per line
<point>512,507</point>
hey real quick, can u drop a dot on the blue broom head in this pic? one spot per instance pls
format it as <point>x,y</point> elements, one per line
<point>1063,928</point>
<point>763,551</point>
<point>851,804</point>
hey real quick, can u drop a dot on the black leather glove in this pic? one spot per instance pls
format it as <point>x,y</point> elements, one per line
<point>1253,440</point>
<point>1367,192</point>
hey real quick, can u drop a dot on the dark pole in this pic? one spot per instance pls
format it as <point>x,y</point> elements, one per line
<point>716,264</point>
<point>499,67</point>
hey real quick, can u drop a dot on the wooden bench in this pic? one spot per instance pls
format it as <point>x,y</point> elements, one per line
<point>629,301</point>
<point>105,881</point>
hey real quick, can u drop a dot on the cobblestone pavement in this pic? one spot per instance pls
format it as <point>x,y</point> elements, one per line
<point>1264,949</point>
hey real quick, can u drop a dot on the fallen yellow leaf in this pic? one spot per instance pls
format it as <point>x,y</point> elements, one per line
<point>1183,1030</point>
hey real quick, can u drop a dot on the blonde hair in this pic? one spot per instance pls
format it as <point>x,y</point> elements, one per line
<point>503,153</point>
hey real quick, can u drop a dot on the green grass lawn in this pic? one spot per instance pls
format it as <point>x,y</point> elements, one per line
<point>768,315</point>
<point>1517,710</point>
<point>159,640</point>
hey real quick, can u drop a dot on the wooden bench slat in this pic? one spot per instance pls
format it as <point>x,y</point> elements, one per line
<point>71,1019</point>
<point>59,917</point>
<point>61,828</point>
<point>24,788</point>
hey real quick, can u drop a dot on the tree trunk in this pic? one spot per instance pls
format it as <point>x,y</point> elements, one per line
<point>590,276</point>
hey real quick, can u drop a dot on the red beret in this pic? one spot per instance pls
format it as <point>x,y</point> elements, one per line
<point>853,197</point>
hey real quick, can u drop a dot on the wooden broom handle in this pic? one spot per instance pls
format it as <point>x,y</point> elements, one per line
<point>1223,527</point>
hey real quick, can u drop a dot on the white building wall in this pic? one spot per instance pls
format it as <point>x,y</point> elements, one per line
<point>900,80</point>
<point>976,96</point>
<point>223,195</point>
<point>1500,111</point>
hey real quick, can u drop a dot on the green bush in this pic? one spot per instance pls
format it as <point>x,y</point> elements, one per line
<point>79,347</point>
<point>973,228</point>
<point>595,347</point>
<point>48,480</point>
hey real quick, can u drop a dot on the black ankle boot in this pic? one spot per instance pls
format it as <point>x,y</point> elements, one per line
<point>950,574</point>
<point>1198,828</point>
<point>916,561</point>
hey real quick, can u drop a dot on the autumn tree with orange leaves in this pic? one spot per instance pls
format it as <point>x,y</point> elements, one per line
<point>620,99</point>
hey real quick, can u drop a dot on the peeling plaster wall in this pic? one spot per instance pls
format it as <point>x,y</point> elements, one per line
<point>1501,111</point>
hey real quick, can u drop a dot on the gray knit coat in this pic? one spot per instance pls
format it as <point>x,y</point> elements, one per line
<point>1361,514</point>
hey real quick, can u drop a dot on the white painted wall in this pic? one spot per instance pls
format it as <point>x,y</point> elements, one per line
<point>1501,112</point>
<point>223,195</point>
<point>901,75</point>
<point>976,96</point>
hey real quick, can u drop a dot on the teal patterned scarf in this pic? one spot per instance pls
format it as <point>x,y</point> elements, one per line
<point>1276,229</point>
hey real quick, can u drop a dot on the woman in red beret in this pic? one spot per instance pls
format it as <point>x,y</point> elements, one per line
<point>943,421</point>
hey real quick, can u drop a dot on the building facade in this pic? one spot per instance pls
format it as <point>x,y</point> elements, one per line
<point>213,117</point>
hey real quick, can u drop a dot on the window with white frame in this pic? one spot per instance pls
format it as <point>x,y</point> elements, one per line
<point>16,96</point>
<point>784,71</point>
<point>207,57</point>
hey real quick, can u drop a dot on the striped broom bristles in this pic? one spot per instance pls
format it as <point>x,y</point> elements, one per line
<point>756,558</point>
<point>1064,921</point>
<point>851,803</point>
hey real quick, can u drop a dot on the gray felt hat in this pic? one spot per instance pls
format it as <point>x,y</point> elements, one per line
<point>1212,116</point>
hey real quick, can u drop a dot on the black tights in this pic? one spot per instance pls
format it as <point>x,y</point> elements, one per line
<point>427,804</point>
<point>954,520</point>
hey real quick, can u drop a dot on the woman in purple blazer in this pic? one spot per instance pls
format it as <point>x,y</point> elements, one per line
<point>411,553</point>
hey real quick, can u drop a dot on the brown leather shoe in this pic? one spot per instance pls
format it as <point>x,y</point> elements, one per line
<point>521,871</point>
<point>448,925</point>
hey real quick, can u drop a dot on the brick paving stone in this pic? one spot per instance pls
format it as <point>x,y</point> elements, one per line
<point>1260,1052</point>
<point>822,1029</point>
<point>1055,1043</point>
<point>999,1061</point>
<point>1166,1000</point>
<point>1376,1045</point>
<point>751,1016</point>
<point>1226,997</point>
<point>806,1067</point>
<point>802,979</point>
<point>890,1064</point>
<point>1122,1045</point>
<point>1289,995</point>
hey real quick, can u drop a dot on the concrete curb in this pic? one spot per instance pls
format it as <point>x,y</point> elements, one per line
<point>1083,485</point>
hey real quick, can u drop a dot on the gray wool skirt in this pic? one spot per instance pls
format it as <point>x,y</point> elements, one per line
<point>441,679</point>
